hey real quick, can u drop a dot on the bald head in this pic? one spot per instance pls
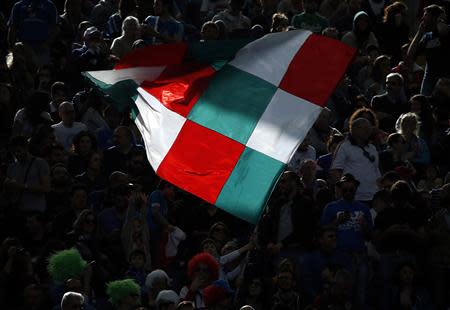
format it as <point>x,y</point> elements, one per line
<point>67,113</point>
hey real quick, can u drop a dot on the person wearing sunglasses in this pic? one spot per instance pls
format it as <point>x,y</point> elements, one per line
<point>355,155</point>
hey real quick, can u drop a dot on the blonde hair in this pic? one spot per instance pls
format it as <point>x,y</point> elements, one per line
<point>129,20</point>
<point>407,117</point>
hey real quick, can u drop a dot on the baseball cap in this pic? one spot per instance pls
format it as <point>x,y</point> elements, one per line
<point>92,32</point>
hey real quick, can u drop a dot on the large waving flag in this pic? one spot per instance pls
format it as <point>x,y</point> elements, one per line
<point>225,130</point>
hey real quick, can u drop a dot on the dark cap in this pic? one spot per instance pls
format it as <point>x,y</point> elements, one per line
<point>348,178</point>
<point>92,32</point>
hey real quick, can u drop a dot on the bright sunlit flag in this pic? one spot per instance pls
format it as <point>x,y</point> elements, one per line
<point>221,127</point>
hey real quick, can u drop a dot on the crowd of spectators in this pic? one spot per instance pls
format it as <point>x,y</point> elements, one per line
<point>359,221</point>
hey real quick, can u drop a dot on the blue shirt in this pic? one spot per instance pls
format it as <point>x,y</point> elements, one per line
<point>350,237</point>
<point>33,20</point>
<point>171,27</point>
<point>109,222</point>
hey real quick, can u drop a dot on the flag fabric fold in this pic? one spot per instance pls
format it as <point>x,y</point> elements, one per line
<point>221,127</point>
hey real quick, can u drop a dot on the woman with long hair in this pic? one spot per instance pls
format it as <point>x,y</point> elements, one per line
<point>408,126</point>
<point>394,31</point>
<point>84,143</point>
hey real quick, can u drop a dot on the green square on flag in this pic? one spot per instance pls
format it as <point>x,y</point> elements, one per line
<point>221,120</point>
<point>250,184</point>
<point>233,103</point>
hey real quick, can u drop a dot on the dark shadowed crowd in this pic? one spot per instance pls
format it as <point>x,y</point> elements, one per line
<point>360,220</point>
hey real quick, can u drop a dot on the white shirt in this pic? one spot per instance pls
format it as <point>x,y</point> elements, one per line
<point>233,22</point>
<point>64,135</point>
<point>350,159</point>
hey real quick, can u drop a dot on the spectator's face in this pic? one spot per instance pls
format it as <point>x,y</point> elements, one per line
<point>362,24</point>
<point>285,281</point>
<point>67,115</point>
<point>219,233</point>
<point>60,176</point>
<point>429,21</point>
<point>348,190</point>
<point>132,29</point>
<point>210,32</point>
<point>137,261</point>
<point>255,287</point>
<point>79,200</point>
<point>393,85</point>
<point>59,97</point>
<point>113,118</point>
<point>409,126</point>
<point>45,77</point>
<point>85,144</point>
<point>169,192</point>
<point>89,224</point>
<point>137,164</point>
<point>399,18</point>
<point>20,153</point>
<point>96,162</point>
<point>5,95</point>
<point>416,106</point>
<point>406,275</point>
<point>328,241</point>
<point>202,272</point>
<point>34,226</point>
<point>210,248</point>
<point>362,131</point>
<point>57,156</point>
<point>120,138</point>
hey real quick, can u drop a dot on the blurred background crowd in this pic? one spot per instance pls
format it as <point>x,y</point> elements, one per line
<point>359,221</point>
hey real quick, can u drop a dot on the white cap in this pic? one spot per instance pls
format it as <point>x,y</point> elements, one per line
<point>167,296</point>
<point>154,276</point>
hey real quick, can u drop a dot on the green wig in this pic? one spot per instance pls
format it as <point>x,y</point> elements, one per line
<point>66,264</point>
<point>117,290</point>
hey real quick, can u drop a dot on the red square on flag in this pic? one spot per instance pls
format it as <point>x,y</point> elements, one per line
<point>179,86</point>
<point>317,68</point>
<point>200,161</point>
